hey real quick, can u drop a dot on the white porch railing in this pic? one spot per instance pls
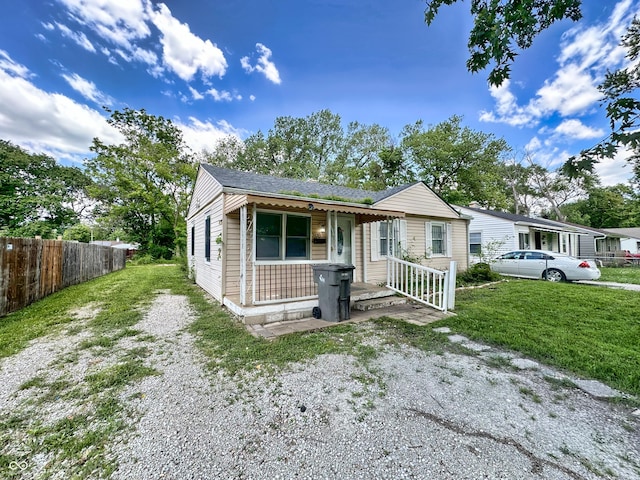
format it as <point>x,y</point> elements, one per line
<point>426,285</point>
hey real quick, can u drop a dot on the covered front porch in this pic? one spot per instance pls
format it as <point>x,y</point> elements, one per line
<point>272,243</point>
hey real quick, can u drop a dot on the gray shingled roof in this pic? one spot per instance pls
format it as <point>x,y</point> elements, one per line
<point>515,218</point>
<point>258,183</point>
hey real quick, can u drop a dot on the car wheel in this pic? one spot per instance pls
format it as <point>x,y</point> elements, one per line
<point>554,275</point>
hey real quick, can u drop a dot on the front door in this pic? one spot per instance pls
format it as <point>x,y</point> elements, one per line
<point>343,250</point>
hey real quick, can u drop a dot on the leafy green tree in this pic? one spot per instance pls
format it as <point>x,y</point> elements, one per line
<point>78,232</point>
<point>460,164</point>
<point>355,163</point>
<point>606,207</point>
<point>144,183</point>
<point>37,195</point>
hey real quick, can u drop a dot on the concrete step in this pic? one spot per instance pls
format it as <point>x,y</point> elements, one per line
<point>375,303</point>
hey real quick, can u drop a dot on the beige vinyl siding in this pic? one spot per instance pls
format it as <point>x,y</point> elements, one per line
<point>206,189</point>
<point>232,254</point>
<point>416,248</point>
<point>318,250</point>
<point>233,201</point>
<point>359,271</point>
<point>418,200</point>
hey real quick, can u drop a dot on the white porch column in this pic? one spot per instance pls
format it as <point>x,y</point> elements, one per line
<point>243,255</point>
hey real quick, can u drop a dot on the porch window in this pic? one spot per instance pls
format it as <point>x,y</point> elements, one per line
<point>207,238</point>
<point>282,236</point>
<point>523,241</point>
<point>388,238</point>
<point>475,243</point>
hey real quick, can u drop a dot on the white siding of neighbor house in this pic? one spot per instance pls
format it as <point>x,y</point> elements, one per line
<point>493,229</point>
<point>631,244</point>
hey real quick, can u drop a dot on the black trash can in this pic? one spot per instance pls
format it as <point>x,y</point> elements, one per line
<point>334,290</point>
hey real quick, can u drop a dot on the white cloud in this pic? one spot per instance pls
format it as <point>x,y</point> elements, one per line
<point>205,135</point>
<point>183,52</point>
<point>507,109</point>
<point>612,171</point>
<point>264,65</point>
<point>252,97</point>
<point>120,22</point>
<point>78,37</point>
<point>8,66</point>
<point>46,122</point>
<point>196,94</point>
<point>218,96</point>
<point>88,89</point>
<point>575,129</point>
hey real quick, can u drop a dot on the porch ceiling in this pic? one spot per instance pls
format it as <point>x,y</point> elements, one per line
<point>365,213</point>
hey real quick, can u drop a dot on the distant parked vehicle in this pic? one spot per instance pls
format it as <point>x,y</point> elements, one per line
<point>555,267</point>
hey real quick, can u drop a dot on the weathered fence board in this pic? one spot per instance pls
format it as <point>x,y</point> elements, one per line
<point>31,269</point>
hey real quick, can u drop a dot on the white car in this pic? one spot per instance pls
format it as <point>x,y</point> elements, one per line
<point>555,267</point>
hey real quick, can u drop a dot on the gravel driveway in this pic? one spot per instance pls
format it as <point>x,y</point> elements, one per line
<point>404,414</point>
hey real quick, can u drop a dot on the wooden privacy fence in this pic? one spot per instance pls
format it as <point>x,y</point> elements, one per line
<point>31,269</point>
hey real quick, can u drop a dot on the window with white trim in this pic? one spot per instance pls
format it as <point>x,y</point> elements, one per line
<point>388,238</point>
<point>475,243</point>
<point>283,236</point>
<point>438,239</point>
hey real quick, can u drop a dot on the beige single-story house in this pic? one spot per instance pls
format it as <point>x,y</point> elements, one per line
<point>252,239</point>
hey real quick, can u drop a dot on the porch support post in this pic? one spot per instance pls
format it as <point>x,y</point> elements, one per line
<point>389,233</point>
<point>327,232</point>
<point>243,255</point>
<point>254,250</point>
<point>451,285</point>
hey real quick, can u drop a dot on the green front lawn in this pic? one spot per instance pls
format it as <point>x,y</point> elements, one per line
<point>591,331</point>
<point>627,274</point>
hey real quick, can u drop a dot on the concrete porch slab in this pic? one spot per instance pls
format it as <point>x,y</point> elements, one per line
<point>411,313</point>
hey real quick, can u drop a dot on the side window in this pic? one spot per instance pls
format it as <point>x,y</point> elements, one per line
<point>438,239</point>
<point>207,238</point>
<point>475,243</point>
<point>193,240</point>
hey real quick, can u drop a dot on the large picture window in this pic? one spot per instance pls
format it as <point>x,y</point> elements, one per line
<point>282,236</point>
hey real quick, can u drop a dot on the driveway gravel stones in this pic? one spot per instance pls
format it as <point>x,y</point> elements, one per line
<point>404,414</point>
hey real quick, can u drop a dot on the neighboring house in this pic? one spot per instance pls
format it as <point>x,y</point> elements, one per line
<point>252,239</point>
<point>630,238</point>
<point>596,243</point>
<point>493,233</point>
<point>131,248</point>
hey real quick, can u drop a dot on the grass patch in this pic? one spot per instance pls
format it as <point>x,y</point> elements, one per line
<point>620,274</point>
<point>120,295</point>
<point>590,331</point>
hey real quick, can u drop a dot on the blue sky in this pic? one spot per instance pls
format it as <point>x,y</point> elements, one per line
<point>219,68</point>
